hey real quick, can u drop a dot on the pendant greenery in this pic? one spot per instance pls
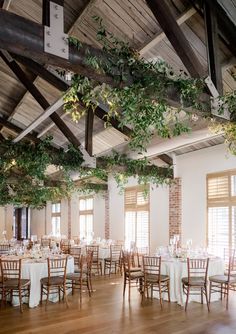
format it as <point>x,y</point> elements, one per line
<point>24,180</point>
<point>139,96</point>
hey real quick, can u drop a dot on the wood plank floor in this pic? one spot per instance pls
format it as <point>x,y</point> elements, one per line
<point>107,312</point>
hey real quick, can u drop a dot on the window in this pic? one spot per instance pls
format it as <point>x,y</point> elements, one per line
<point>221,206</point>
<point>137,217</point>
<point>86,218</point>
<point>56,219</point>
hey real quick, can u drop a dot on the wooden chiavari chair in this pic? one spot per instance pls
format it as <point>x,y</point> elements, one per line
<point>82,277</point>
<point>65,246</point>
<point>45,242</point>
<point>224,283</point>
<point>4,249</point>
<point>76,253</point>
<point>55,282</point>
<point>96,263</point>
<point>115,260</point>
<point>132,275</point>
<point>196,280</point>
<point>12,283</point>
<point>153,278</point>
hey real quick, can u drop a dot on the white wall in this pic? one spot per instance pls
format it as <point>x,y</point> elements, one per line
<point>41,219</point>
<point>159,213</point>
<point>193,168</point>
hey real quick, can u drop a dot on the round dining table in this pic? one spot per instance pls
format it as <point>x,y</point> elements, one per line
<point>35,269</point>
<point>176,269</point>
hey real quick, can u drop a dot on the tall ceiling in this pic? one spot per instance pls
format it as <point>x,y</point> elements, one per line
<point>129,20</point>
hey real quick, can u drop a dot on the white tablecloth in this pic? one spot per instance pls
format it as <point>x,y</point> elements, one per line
<point>35,270</point>
<point>177,269</point>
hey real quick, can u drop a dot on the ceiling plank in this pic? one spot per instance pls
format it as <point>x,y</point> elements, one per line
<point>160,36</point>
<point>40,98</point>
<point>213,52</point>
<point>164,16</point>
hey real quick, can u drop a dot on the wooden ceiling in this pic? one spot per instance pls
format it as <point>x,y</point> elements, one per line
<point>129,20</point>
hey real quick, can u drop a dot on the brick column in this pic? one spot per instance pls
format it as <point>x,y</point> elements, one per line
<point>175,208</point>
<point>69,218</point>
<point>107,216</point>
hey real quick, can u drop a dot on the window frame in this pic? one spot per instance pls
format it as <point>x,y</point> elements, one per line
<point>86,213</point>
<point>229,201</point>
<point>55,215</point>
<point>138,208</point>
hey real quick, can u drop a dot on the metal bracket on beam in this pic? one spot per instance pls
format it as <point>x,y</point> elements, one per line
<point>216,103</point>
<point>88,160</point>
<point>55,40</point>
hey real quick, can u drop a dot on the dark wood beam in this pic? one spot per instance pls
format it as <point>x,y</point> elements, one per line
<point>166,20</point>
<point>61,85</point>
<point>89,131</point>
<point>31,136</point>
<point>211,28</point>
<point>24,37</point>
<point>166,158</point>
<point>40,99</point>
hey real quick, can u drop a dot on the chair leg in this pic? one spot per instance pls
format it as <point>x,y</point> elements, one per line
<point>159,286</point>
<point>20,299</point>
<point>59,293</point>
<point>129,289</point>
<point>210,293</point>
<point>65,295</point>
<point>227,297</point>
<point>168,290</point>
<point>201,296</point>
<point>186,304</point>
<point>124,285</point>
<point>206,294</point>
<point>41,294</point>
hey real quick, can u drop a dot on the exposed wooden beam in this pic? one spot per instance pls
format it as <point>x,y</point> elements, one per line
<point>5,4</point>
<point>61,85</point>
<point>211,28</point>
<point>24,37</point>
<point>164,16</point>
<point>89,131</point>
<point>166,158</point>
<point>40,99</point>
<point>160,36</point>
<point>31,136</point>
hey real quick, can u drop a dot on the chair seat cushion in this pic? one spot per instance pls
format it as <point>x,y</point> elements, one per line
<point>152,278</point>
<point>76,276</point>
<point>194,281</point>
<point>222,279</point>
<point>135,274</point>
<point>54,280</point>
<point>12,283</point>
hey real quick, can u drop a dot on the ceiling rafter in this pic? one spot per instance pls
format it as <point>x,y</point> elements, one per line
<point>166,20</point>
<point>5,5</point>
<point>160,36</point>
<point>40,99</point>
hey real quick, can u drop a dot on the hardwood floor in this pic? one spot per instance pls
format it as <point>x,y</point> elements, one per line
<point>107,313</point>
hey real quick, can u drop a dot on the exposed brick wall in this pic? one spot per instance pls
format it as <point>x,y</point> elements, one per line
<point>69,218</point>
<point>175,208</point>
<point>107,216</point>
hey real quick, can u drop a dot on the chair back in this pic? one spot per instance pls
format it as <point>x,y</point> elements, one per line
<point>197,268</point>
<point>88,260</point>
<point>65,246</point>
<point>45,242</point>
<point>127,260</point>
<point>115,252</point>
<point>11,269</point>
<point>94,249</point>
<point>76,253</point>
<point>231,267</point>
<point>57,267</point>
<point>4,249</point>
<point>152,266</point>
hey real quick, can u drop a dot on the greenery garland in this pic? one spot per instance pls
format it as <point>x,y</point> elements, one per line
<point>24,180</point>
<point>139,98</point>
